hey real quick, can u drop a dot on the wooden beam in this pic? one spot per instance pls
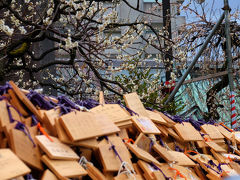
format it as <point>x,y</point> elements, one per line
<point>210,76</point>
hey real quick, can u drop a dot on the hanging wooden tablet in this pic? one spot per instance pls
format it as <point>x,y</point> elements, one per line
<point>219,157</point>
<point>56,149</point>
<point>185,171</point>
<point>173,133</point>
<point>110,161</point>
<point>94,173</point>
<point>143,142</point>
<point>48,175</point>
<point>11,165</point>
<point>147,169</point>
<point>128,177</point>
<point>237,136</point>
<point>156,117</point>
<point>86,152</point>
<point>133,102</point>
<point>170,122</point>
<point>6,130</point>
<point>228,171</point>
<point>163,130</point>
<point>64,168</point>
<point>113,111</point>
<point>4,118</point>
<point>125,124</point>
<point>27,121</point>
<point>187,132</point>
<point>141,154</point>
<point>235,166</point>
<point>25,100</point>
<point>212,131</point>
<point>181,158</point>
<point>17,103</point>
<point>231,156</point>
<point>215,147</point>
<point>49,119</point>
<point>224,132</point>
<point>164,153</point>
<point>63,137</point>
<point>145,125</point>
<point>19,178</point>
<point>137,169</point>
<point>203,161</point>
<point>85,125</point>
<point>24,148</point>
<point>123,134</point>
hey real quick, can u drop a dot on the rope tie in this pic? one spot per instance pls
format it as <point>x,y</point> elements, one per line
<point>127,169</point>
<point>83,162</point>
<point>178,173</point>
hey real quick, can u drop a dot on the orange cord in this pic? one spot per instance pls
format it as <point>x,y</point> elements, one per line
<point>43,132</point>
<point>229,159</point>
<point>128,140</point>
<point>189,151</point>
<point>226,127</point>
<point>178,173</point>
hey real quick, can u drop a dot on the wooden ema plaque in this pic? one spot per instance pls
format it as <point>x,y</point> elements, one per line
<point>156,117</point>
<point>212,131</point>
<point>181,158</point>
<point>25,150</point>
<point>170,122</point>
<point>48,175</point>
<point>4,119</point>
<point>85,125</point>
<point>17,103</point>
<point>163,130</point>
<point>114,112</point>
<point>141,154</point>
<point>237,136</point>
<point>11,166</point>
<point>224,132</point>
<point>143,142</point>
<point>133,102</point>
<point>203,159</point>
<point>187,132</point>
<point>164,153</point>
<point>25,100</point>
<point>145,125</point>
<point>110,160</point>
<point>64,169</point>
<point>128,177</point>
<point>147,169</point>
<point>215,147</point>
<point>56,149</point>
<point>63,137</point>
<point>94,173</point>
<point>173,133</point>
<point>219,157</point>
<point>49,119</point>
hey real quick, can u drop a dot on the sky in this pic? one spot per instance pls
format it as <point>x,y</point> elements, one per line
<point>217,7</point>
<point>218,4</point>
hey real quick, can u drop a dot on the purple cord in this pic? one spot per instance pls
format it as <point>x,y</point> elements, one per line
<point>128,109</point>
<point>20,126</point>
<point>208,166</point>
<point>157,168</point>
<point>113,148</point>
<point>5,88</point>
<point>151,144</point>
